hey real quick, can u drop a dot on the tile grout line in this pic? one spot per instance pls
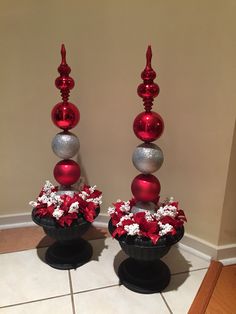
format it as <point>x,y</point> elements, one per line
<point>99,288</point>
<point>34,301</point>
<point>167,305</point>
<point>190,271</point>
<point>71,293</point>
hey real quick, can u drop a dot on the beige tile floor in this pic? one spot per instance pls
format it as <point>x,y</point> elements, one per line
<point>28,285</point>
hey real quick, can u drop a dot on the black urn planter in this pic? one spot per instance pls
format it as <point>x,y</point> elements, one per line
<point>70,250</point>
<point>143,271</point>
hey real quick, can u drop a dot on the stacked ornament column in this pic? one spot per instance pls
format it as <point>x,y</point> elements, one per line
<point>147,157</point>
<point>65,116</point>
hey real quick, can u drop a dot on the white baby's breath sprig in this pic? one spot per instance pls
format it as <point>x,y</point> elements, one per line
<point>164,228</point>
<point>132,229</point>
<point>125,207</point>
<point>74,208</point>
<point>33,203</point>
<point>92,189</point>
<point>111,210</point>
<point>96,200</point>
<point>123,218</point>
<point>57,213</point>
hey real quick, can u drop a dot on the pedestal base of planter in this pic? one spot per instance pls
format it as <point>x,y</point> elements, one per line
<point>144,276</point>
<point>69,254</point>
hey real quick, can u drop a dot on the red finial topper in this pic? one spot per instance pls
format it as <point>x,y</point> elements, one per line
<point>65,115</point>
<point>64,82</point>
<point>148,90</point>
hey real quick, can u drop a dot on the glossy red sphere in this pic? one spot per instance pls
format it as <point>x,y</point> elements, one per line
<point>67,172</point>
<point>146,188</point>
<point>148,126</point>
<point>148,90</point>
<point>64,83</point>
<point>65,115</point>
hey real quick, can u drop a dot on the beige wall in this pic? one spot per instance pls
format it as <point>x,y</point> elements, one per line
<point>194,52</point>
<point>228,218</point>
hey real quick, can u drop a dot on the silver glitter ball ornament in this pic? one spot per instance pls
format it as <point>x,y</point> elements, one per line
<point>65,145</point>
<point>147,158</point>
<point>143,206</point>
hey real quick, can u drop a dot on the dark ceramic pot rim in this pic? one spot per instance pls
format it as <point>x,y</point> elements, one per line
<point>138,241</point>
<point>49,222</point>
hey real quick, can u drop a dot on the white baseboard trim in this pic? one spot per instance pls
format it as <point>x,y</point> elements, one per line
<point>25,220</point>
<point>193,251</point>
<point>194,245</point>
<point>218,252</point>
<point>228,261</point>
<point>101,221</point>
<point>16,221</point>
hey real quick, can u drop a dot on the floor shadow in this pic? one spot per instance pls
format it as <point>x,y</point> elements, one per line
<point>98,248</point>
<point>179,268</point>
<point>119,258</point>
<point>42,246</point>
<point>45,242</point>
<point>92,234</point>
<point>41,251</point>
<point>178,265</point>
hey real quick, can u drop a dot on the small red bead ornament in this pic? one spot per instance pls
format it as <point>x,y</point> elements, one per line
<point>148,90</point>
<point>64,82</point>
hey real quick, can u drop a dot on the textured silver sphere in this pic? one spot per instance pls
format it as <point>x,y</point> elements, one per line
<point>65,145</point>
<point>147,158</point>
<point>143,206</point>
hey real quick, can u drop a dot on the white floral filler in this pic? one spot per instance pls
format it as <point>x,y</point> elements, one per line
<point>166,219</point>
<point>68,207</point>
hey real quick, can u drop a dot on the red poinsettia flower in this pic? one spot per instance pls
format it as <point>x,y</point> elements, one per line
<point>148,229</point>
<point>42,210</point>
<point>171,221</point>
<point>181,215</point>
<point>115,217</point>
<point>89,212</point>
<point>95,194</point>
<point>67,220</point>
<point>132,202</point>
<point>147,223</point>
<point>86,189</point>
<point>118,206</point>
<point>67,208</point>
<point>118,231</point>
<point>82,203</point>
<point>176,204</point>
<point>67,202</point>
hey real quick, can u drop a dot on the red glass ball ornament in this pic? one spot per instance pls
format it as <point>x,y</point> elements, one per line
<point>64,83</point>
<point>148,90</point>
<point>146,188</point>
<point>148,126</point>
<point>67,172</point>
<point>65,115</point>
